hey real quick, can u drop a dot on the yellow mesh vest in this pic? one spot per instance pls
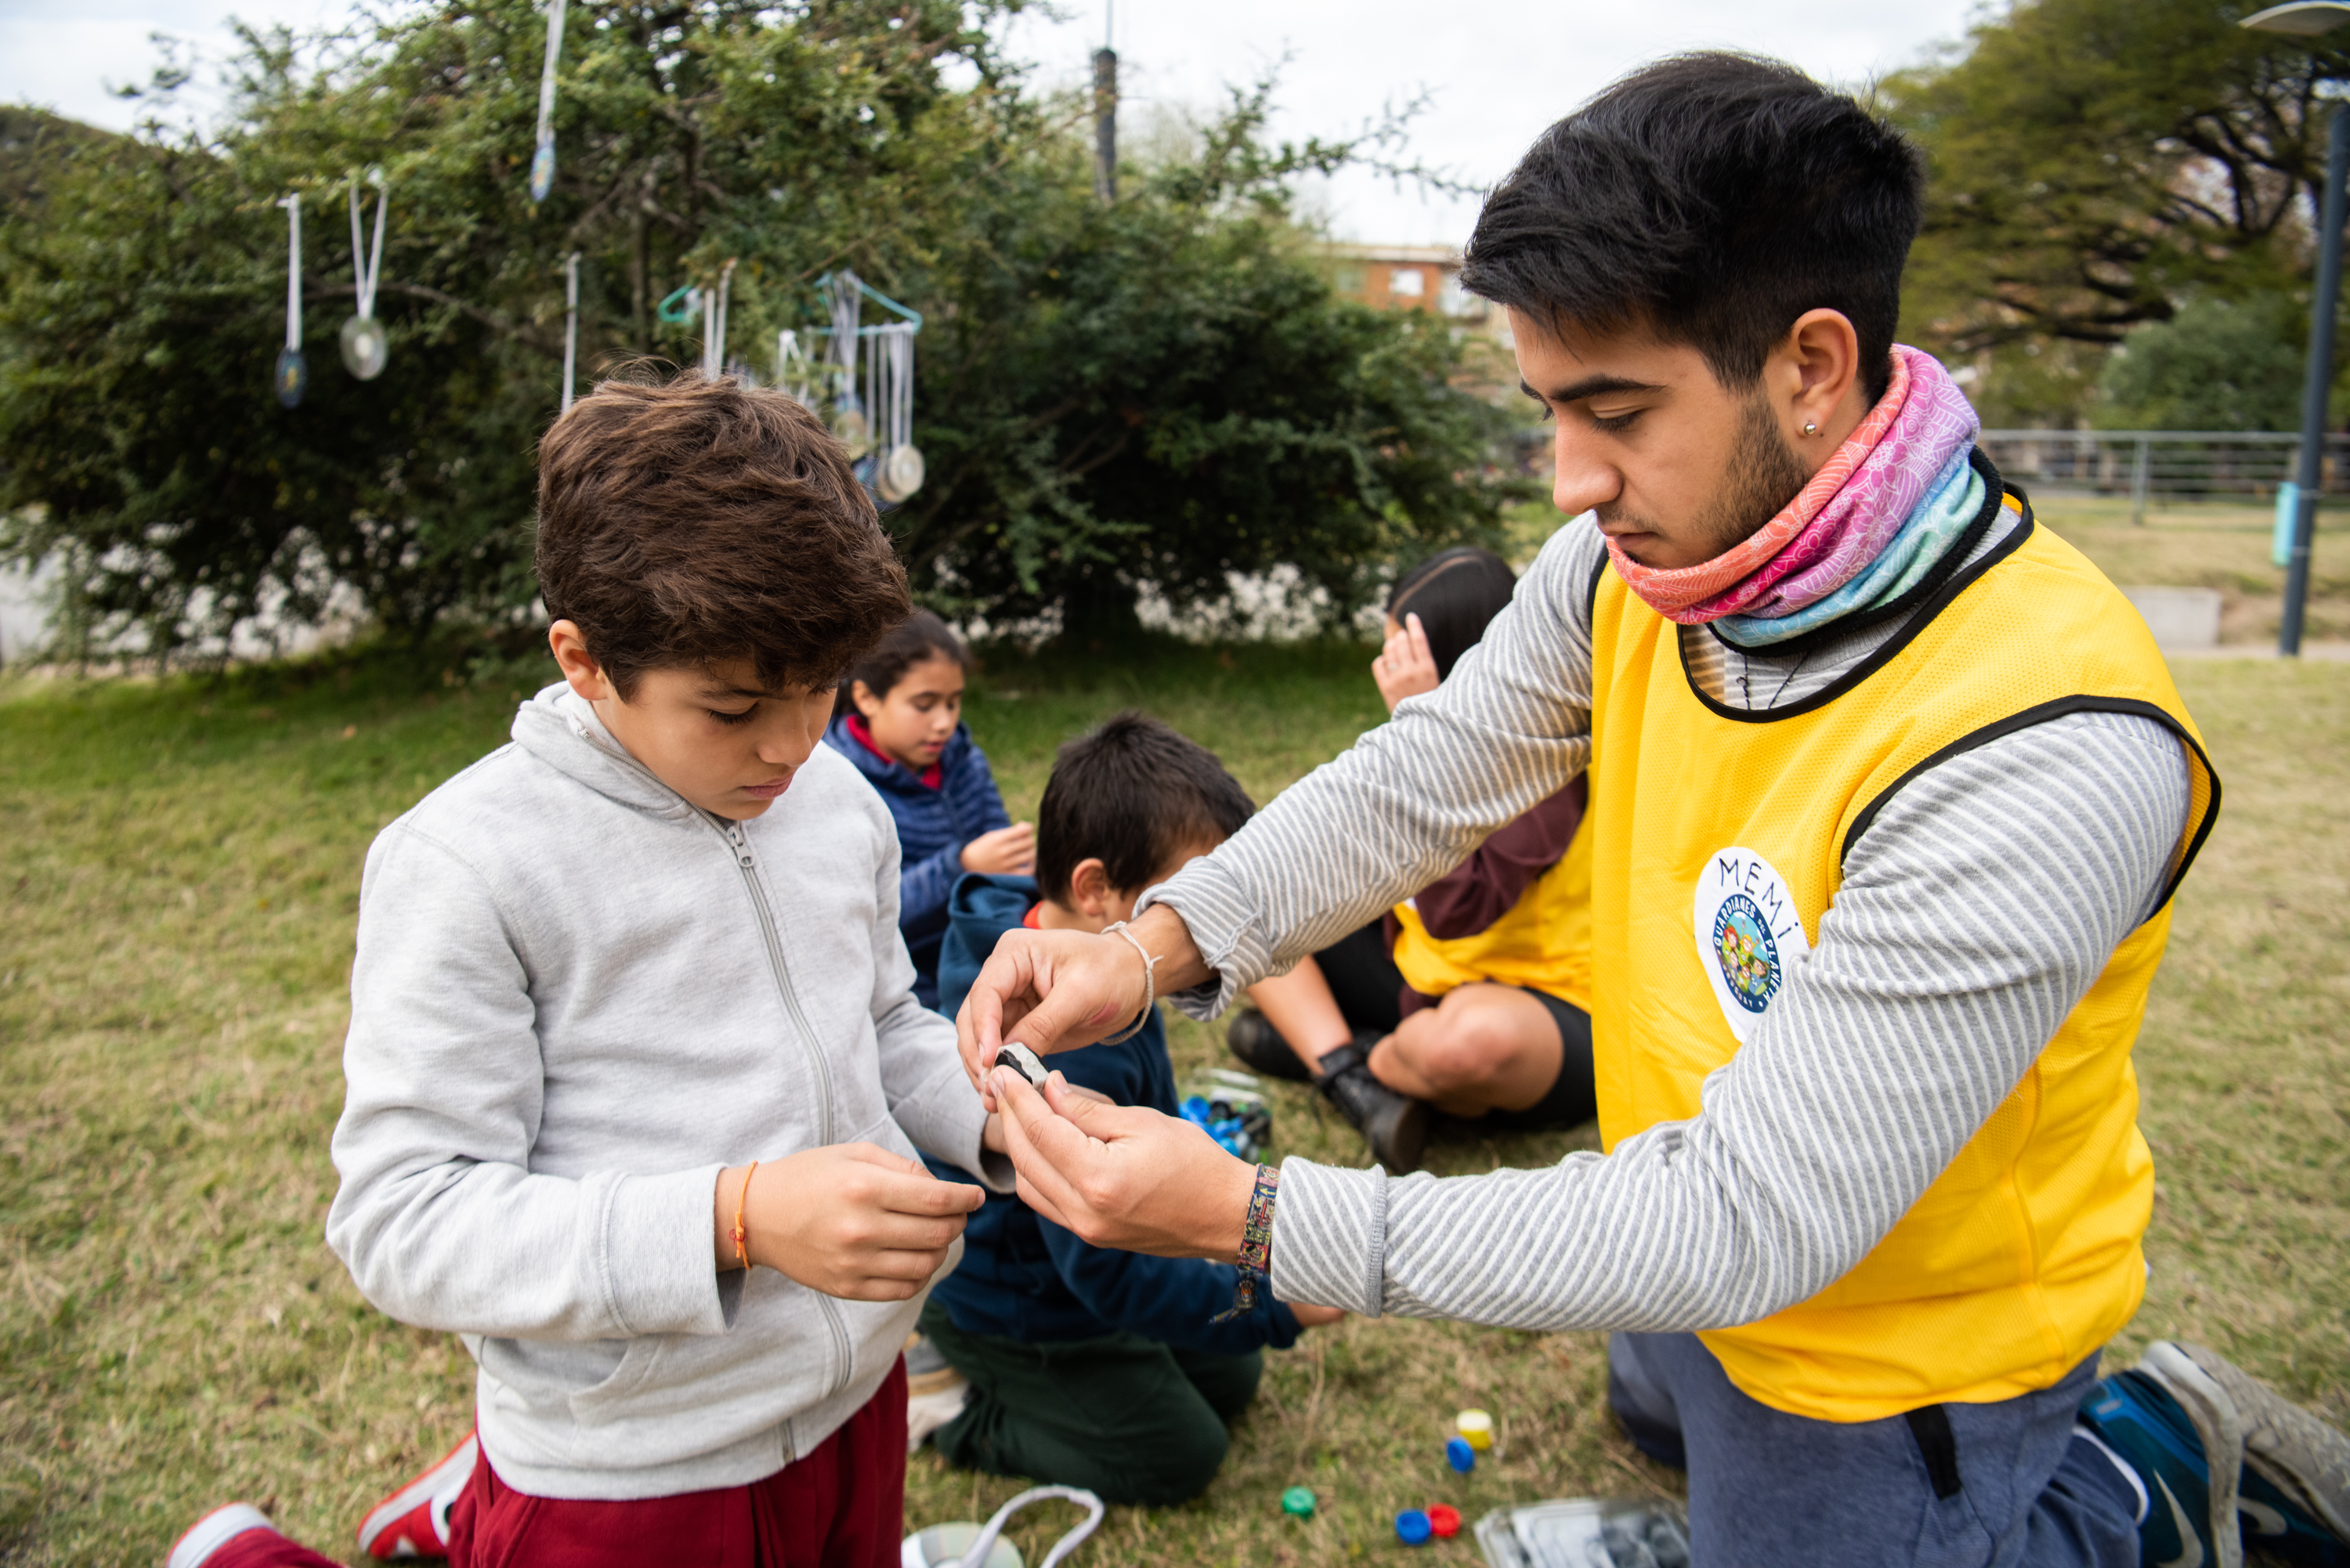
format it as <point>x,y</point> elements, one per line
<point>1542,943</point>
<point>1721,844</point>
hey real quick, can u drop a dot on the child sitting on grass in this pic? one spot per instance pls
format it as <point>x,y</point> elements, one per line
<point>1089,1366</point>
<point>636,1073</point>
<point>899,720</point>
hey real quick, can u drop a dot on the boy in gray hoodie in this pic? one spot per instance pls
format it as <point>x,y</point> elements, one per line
<point>636,1074</point>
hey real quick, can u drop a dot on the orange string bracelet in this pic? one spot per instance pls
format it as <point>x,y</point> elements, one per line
<point>741,1236</point>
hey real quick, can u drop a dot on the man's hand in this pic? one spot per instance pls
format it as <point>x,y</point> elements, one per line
<point>1006,852</point>
<point>852,1221</point>
<point>1056,990</point>
<point>1123,1176</point>
<point>1405,668</point>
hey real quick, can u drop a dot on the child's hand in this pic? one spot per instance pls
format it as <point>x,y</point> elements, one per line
<point>851,1221</point>
<point>1006,852</point>
<point>1310,1316</point>
<point>1405,668</point>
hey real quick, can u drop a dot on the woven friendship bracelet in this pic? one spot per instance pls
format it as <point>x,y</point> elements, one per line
<point>1149,983</point>
<point>1256,1245</point>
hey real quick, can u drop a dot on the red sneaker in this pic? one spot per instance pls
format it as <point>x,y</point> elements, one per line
<point>240,1536</point>
<point>414,1521</point>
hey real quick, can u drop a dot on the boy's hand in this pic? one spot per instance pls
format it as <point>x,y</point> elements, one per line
<point>1006,852</point>
<point>1405,667</point>
<point>852,1221</point>
<point>1124,1176</point>
<point>1311,1316</point>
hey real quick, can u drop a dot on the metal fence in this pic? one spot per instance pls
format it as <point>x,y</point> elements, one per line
<point>2200,465</point>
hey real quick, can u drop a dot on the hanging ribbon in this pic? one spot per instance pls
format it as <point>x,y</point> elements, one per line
<point>792,372</point>
<point>365,345</point>
<point>850,425</point>
<point>570,327</point>
<point>542,161</point>
<point>713,323</point>
<point>292,374</point>
<point>897,472</point>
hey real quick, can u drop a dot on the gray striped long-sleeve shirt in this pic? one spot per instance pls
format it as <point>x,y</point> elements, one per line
<point>1975,912</point>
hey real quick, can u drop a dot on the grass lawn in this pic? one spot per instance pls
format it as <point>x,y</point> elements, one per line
<point>180,863</point>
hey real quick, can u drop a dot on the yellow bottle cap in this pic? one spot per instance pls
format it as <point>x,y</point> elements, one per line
<point>1477,1427</point>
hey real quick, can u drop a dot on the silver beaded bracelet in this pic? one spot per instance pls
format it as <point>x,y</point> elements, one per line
<point>1149,983</point>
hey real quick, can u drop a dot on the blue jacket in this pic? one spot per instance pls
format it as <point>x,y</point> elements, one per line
<point>1023,1277</point>
<point>933,824</point>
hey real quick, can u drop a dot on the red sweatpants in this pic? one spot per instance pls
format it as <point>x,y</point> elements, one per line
<point>842,1506</point>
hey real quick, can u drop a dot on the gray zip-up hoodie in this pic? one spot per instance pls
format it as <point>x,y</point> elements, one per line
<point>576,1000</point>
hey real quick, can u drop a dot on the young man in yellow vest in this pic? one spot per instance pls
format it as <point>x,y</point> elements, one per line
<point>1891,791</point>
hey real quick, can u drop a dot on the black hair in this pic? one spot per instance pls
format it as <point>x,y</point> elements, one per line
<point>1456,594</point>
<point>1711,199</point>
<point>1132,794</point>
<point>918,637</point>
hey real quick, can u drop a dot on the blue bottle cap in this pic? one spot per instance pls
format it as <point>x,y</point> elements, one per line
<point>1460,1455</point>
<point>1412,1527</point>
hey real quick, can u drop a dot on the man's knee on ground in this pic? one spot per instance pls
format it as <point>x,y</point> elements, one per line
<point>1468,1043</point>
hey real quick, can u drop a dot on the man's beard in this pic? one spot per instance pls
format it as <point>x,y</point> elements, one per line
<point>1763,474</point>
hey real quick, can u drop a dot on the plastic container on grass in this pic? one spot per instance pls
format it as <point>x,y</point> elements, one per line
<point>1586,1532</point>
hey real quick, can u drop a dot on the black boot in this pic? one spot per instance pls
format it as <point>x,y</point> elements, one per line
<point>1395,1125</point>
<point>1254,1040</point>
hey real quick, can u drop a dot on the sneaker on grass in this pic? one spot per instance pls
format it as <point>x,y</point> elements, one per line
<point>414,1521</point>
<point>2138,1421</point>
<point>2295,1497</point>
<point>240,1536</point>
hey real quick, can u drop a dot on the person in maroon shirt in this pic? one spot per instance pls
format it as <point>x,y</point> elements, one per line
<point>1388,1057</point>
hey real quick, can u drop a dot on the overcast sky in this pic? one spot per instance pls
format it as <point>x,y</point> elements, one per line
<point>1494,74</point>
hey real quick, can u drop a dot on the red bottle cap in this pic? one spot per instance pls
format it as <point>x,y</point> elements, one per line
<point>1444,1521</point>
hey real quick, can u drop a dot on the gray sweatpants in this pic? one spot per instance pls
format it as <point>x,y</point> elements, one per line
<point>1986,1485</point>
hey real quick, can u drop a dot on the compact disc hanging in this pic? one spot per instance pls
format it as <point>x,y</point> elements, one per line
<point>366,346</point>
<point>292,374</point>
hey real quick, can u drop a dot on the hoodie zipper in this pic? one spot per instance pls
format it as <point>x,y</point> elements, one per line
<point>844,1360</point>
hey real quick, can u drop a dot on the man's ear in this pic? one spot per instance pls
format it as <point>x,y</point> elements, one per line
<point>1816,372</point>
<point>580,667</point>
<point>1090,889</point>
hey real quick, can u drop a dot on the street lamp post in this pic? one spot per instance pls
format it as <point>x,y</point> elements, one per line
<point>2307,19</point>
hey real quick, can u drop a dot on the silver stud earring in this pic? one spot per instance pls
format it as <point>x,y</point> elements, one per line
<point>1810,429</point>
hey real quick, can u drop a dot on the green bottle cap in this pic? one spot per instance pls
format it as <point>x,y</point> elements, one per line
<point>1298,1500</point>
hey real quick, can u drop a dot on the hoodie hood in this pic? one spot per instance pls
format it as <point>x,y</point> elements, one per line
<point>560,728</point>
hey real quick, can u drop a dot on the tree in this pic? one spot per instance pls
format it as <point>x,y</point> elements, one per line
<point>1166,390</point>
<point>138,321</point>
<point>2094,163</point>
<point>2216,365</point>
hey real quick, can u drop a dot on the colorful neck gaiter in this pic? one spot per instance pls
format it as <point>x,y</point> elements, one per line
<point>1842,521</point>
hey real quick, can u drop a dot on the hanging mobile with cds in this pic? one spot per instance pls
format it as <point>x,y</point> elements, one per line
<point>542,161</point>
<point>292,374</point>
<point>366,346</point>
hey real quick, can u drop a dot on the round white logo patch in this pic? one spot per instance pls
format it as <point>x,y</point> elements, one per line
<point>1748,934</point>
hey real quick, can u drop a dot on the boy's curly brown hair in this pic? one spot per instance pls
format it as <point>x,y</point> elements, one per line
<point>685,523</point>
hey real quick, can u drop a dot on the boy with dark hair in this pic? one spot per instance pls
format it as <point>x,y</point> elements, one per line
<point>636,1073</point>
<point>1088,1366</point>
<point>1895,792</point>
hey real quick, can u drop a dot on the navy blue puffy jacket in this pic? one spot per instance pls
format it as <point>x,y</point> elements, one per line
<point>933,824</point>
<point>1024,1278</point>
